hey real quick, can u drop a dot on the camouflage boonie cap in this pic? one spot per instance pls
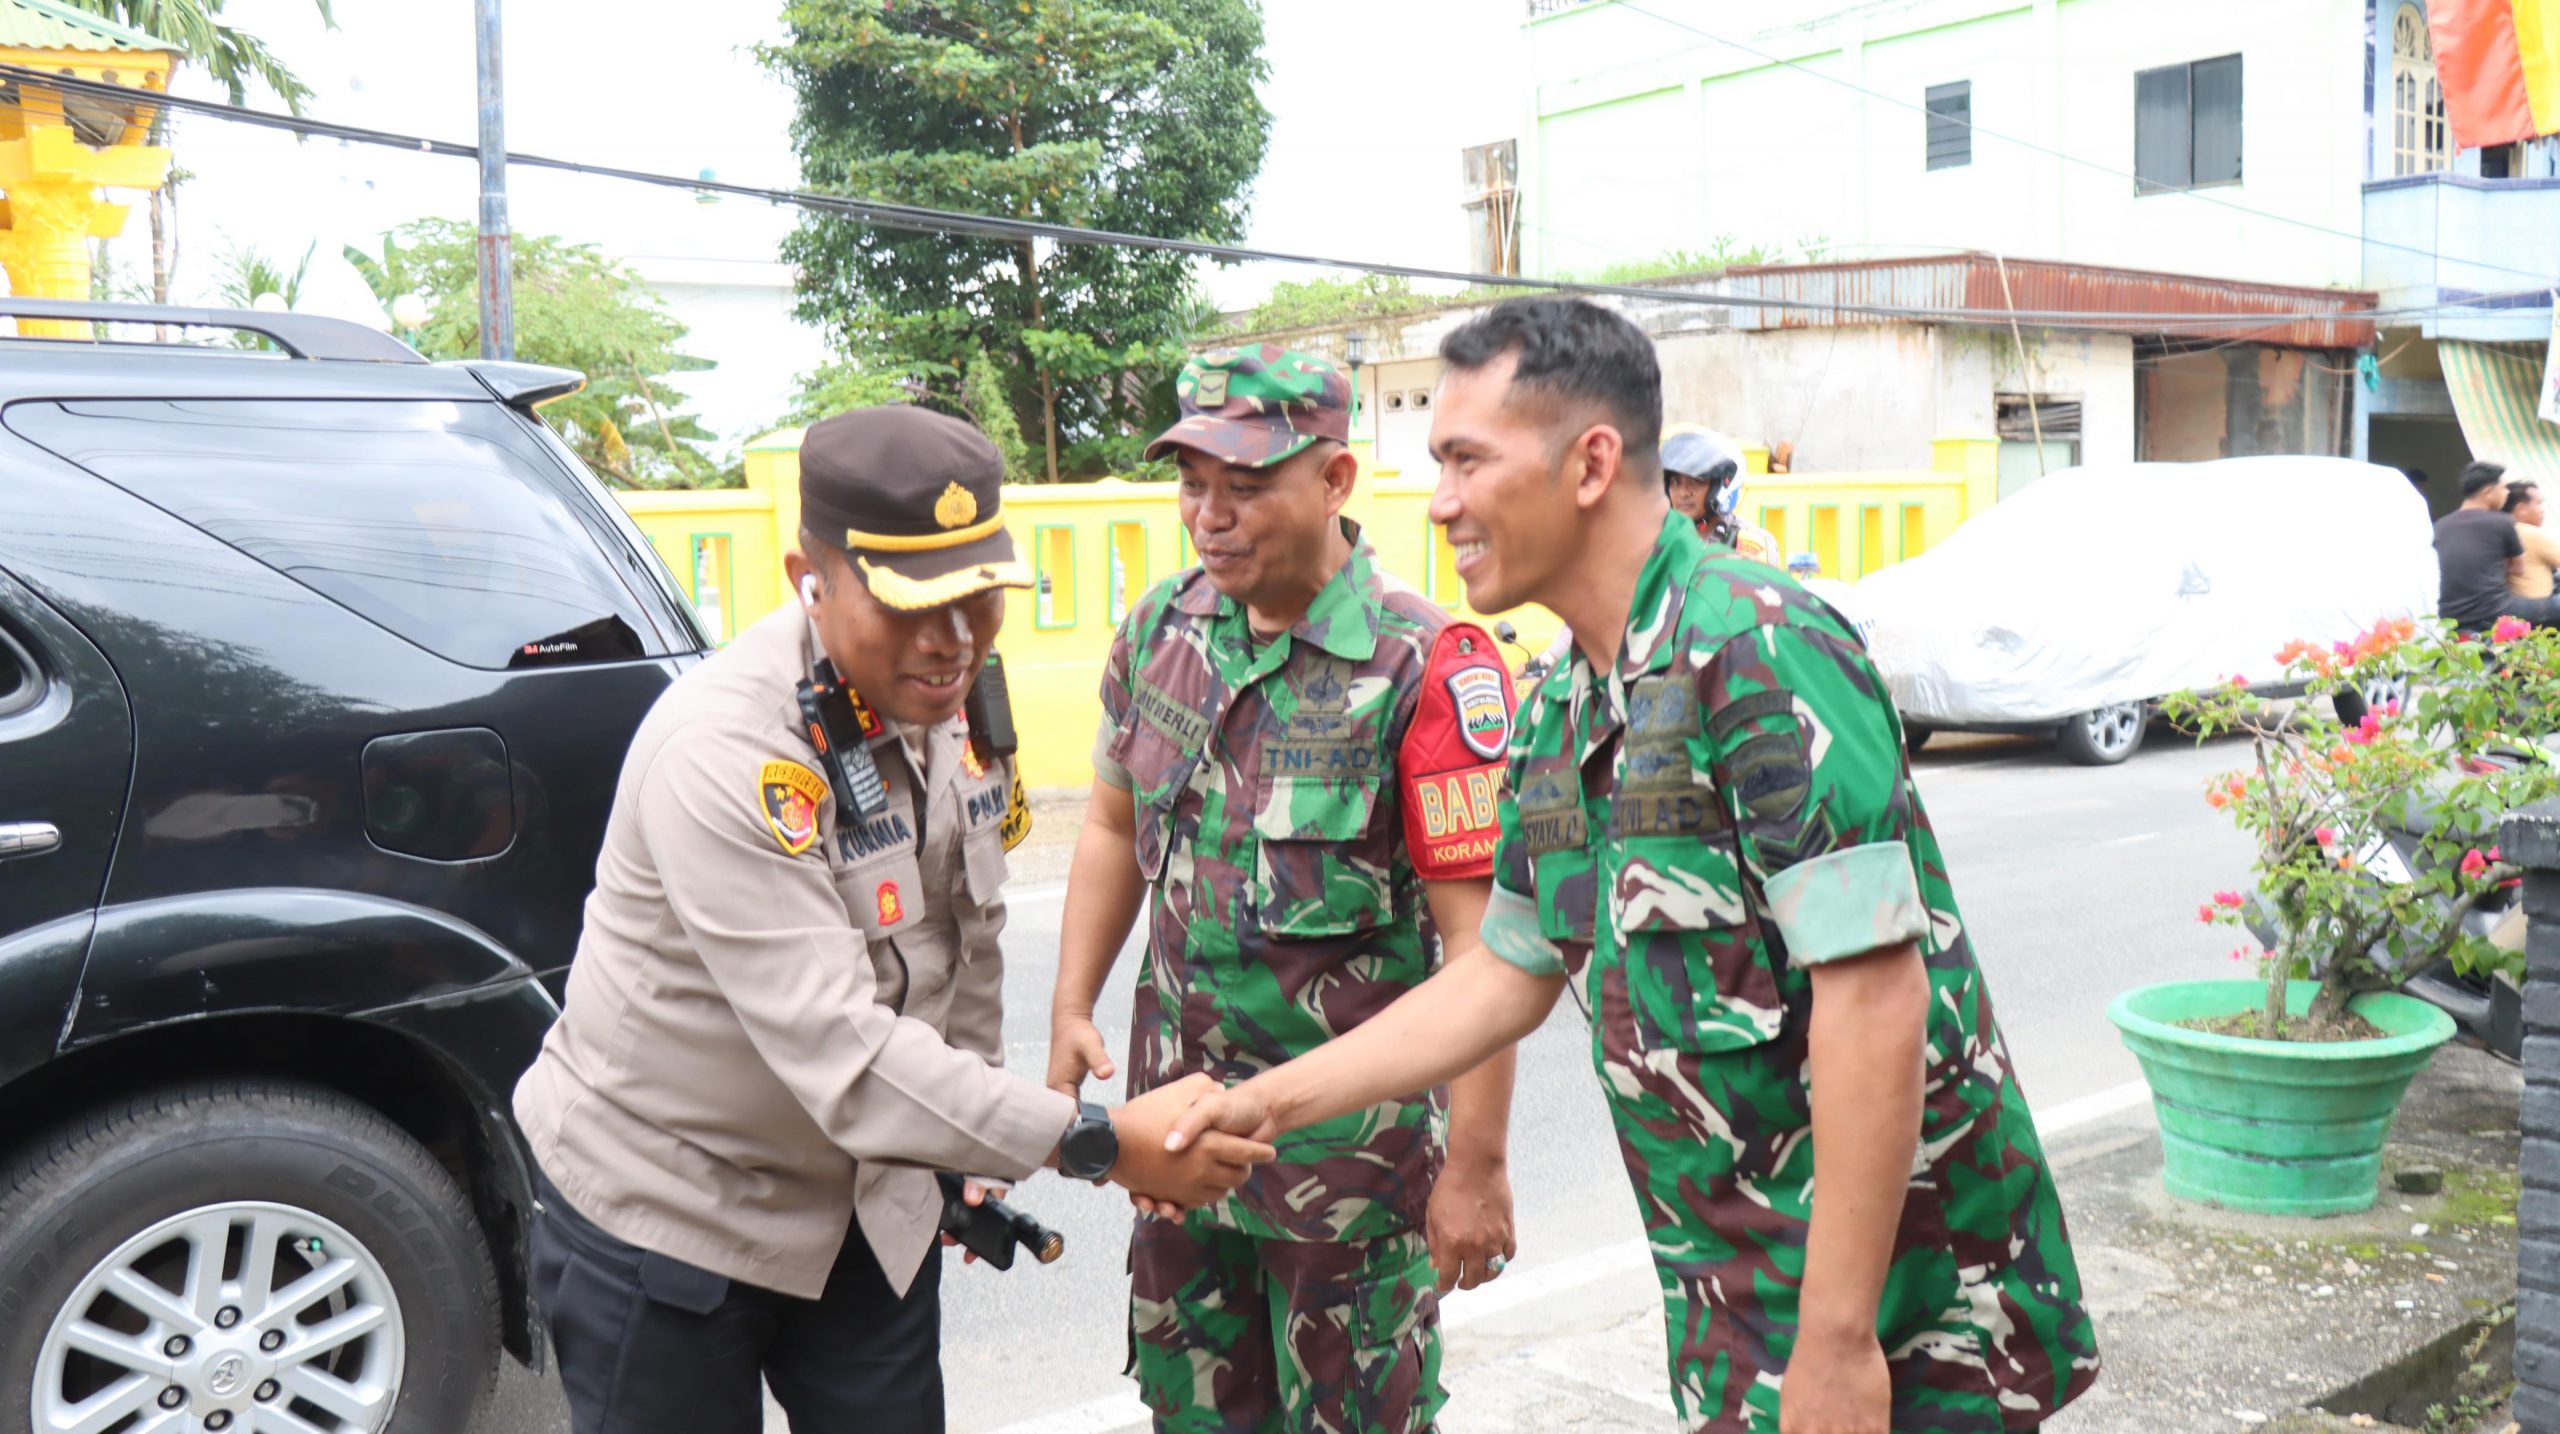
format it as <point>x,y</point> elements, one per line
<point>1257,405</point>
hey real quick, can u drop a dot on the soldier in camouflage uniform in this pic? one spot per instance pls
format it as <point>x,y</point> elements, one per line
<point>1297,771</point>
<point>1711,837</point>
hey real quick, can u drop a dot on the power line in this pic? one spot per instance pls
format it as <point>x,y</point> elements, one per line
<point>919,219</point>
<point>2201,196</point>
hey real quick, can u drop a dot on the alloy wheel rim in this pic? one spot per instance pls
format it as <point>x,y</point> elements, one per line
<point>244,1317</point>
<point>2112,729</point>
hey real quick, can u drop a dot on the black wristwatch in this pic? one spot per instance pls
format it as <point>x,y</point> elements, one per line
<point>1090,1147</point>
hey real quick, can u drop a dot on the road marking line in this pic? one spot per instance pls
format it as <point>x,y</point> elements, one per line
<point>2134,840</point>
<point>1034,895</point>
<point>2091,1108</point>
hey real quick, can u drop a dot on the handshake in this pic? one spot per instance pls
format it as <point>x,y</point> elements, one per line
<point>1182,1145</point>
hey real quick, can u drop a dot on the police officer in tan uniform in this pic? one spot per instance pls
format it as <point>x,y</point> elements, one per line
<point>786,1010</point>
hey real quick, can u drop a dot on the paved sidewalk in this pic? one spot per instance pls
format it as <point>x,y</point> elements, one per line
<point>2207,1320</point>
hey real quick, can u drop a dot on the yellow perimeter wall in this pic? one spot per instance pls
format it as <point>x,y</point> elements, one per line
<point>1099,546</point>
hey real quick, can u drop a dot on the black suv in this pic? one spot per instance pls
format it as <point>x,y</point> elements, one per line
<point>317,666</point>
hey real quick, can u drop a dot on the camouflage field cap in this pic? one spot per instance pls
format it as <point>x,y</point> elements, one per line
<point>1257,405</point>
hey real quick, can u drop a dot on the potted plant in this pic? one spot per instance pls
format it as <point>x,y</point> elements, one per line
<point>2374,841</point>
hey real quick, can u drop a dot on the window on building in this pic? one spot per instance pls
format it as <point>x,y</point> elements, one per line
<point>1951,125</point>
<point>2421,141</point>
<point>2186,125</point>
<point>1490,176</point>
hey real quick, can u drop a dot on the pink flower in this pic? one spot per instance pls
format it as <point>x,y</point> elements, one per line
<point>2473,863</point>
<point>2509,629</point>
<point>2326,836</point>
<point>2204,914</point>
<point>2493,854</point>
<point>2391,708</point>
<point>2363,733</point>
<point>2239,683</point>
<point>2341,649</point>
<point>2228,898</point>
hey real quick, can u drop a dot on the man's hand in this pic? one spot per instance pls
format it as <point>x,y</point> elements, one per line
<point>1238,1110</point>
<point>973,1195</point>
<point>1195,1173</point>
<point>1468,1224</point>
<point>1836,1384</point>
<point>1076,1051</point>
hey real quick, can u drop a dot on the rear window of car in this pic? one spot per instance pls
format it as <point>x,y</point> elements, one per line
<point>442,522</point>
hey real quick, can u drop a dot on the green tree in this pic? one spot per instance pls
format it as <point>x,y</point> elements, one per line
<point>576,309</point>
<point>1139,117</point>
<point>232,56</point>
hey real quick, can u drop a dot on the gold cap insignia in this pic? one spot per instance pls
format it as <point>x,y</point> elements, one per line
<point>956,508</point>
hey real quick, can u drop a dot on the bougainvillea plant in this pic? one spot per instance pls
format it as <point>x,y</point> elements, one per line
<point>2455,745</point>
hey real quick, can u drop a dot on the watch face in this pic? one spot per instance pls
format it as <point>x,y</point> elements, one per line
<point>1090,1150</point>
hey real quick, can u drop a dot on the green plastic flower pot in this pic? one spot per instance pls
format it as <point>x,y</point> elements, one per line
<point>2274,1127</point>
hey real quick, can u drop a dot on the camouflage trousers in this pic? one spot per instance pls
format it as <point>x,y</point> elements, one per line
<point>1230,1334</point>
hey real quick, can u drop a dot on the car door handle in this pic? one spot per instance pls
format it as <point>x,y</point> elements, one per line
<point>28,838</point>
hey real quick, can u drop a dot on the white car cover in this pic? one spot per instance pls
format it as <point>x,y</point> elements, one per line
<point>2127,582</point>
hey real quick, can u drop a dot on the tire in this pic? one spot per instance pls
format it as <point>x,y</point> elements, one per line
<point>1915,736</point>
<point>2105,736</point>
<point>335,1195</point>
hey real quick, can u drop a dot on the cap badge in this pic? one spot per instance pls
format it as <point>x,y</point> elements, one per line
<point>956,508</point>
<point>1210,390</point>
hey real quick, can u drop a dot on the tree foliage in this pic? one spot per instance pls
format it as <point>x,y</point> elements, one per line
<point>1138,117</point>
<point>231,56</point>
<point>576,309</point>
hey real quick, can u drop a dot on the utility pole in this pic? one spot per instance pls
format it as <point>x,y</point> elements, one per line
<point>497,246</point>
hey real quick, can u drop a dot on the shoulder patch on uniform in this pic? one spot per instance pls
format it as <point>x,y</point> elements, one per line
<point>1017,813</point>
<point>1484,717</point>
<point>789,794</point>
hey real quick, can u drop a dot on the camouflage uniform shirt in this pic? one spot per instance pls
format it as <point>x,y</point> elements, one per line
<point>1291,798</point>
<point>1684,836</point>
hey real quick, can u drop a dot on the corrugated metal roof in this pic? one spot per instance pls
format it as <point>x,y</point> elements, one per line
<point>48,25</point>
<point>2118,300</point>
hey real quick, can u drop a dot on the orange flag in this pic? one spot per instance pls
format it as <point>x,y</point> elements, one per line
<point>2499,62</point>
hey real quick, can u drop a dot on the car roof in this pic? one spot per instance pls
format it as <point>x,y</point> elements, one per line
<point>59,369</point>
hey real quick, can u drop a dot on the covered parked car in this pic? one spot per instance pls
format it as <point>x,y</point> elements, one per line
<point>2068,609</point>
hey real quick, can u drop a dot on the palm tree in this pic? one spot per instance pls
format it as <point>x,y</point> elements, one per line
<point>232,56</point>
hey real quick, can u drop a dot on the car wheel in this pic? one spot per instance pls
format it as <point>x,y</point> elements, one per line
<point>2105,736</point>
<point>247,1256</point>
<point>1915,736</point>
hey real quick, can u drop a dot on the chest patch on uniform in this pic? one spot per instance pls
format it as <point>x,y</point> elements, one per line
<point>1551,817</point>
<point>1157,707</point>
<point>1638,814</point>
<point>1294,754</point>
<point>789,795</point>
<point>1484,717</point>
<point>892,910</point>
<point>862,840</point>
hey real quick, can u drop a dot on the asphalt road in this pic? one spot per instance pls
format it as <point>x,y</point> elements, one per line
<point>2077,883</point>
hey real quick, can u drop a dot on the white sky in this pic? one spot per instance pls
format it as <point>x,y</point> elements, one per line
<point>1371,102</point>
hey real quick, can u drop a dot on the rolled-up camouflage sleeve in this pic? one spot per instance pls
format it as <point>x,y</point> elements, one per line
<point>1115,707</point>
<point>1801,734</point>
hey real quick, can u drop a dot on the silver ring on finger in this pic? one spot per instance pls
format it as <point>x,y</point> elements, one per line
<point>1494,1266</point>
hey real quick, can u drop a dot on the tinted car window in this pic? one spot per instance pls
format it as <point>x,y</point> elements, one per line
<point>438,521</point>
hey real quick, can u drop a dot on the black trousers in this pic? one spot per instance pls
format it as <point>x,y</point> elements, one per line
<point>646,1343</point>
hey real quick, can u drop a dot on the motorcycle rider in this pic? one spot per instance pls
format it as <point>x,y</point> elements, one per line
<point>1702,473</point>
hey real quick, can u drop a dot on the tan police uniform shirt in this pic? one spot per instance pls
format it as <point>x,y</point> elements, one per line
<point>778,1022</point>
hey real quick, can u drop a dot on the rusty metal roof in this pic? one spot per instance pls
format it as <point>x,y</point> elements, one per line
<point>2132,301</point>
<point>48,25</point>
